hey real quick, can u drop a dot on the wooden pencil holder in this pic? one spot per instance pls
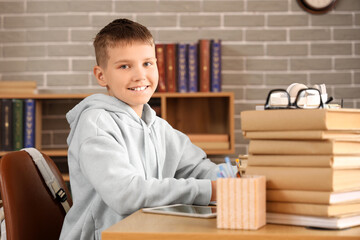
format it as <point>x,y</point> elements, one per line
<point>241,202</point>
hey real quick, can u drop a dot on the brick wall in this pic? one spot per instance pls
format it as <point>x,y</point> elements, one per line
<point>266,44</point>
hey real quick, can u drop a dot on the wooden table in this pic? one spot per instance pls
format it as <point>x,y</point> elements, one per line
<point>149,226</point>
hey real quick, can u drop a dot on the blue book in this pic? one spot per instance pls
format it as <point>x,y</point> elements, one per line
<point>215,65</point>
<point>182,68</point>
<point>29,123</point>
<point>193,67</point>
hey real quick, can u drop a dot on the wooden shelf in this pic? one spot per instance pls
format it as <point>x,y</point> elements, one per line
<point>199,113</point>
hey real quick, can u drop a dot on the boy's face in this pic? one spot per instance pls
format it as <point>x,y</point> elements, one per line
<point>131,74</point>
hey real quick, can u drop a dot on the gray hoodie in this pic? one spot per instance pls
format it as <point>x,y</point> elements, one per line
<point>120,163</point>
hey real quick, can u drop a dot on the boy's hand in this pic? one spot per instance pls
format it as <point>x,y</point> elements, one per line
<point>213,191</point>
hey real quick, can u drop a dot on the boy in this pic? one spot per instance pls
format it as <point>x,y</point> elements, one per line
<point>121,156</point>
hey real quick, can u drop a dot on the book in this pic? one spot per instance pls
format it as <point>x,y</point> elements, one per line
<point>182,78</point>
<point>318,197</point>
<point>215,65</point>
<point>212,145</point>
<point>29,123</point>
<point>170,63</point>
<point>301,119</point>
<point>18,87</point>
<point>6,125</point>
<point>341,147</point>
<point>160,56</point>
<point>208,137</point>
<point>204,65</point>
<point>312,221</point>
<point>321,210</point>
<point>193,67</point>
<point>18,124</point>
<point>330,161</point>
<point>308,178</point>
<point>308,135</point>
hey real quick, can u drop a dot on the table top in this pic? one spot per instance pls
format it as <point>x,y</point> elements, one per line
<point>150,226</point>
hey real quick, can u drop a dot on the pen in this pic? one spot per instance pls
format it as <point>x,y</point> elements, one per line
<point>223,171</point>
<point>238,165</point>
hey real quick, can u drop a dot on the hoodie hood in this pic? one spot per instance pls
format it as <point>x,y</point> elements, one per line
<point>110,104</point>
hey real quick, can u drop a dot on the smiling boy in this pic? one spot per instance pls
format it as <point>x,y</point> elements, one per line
<point>121,156</point>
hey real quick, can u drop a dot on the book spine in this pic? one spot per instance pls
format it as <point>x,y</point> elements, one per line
<point>215,61</point>
<point>18,124</point>
<point>170,67</point>
<point>193,67</point>
<point>204,65</point>
<point>6,125</point>
<point>160,55</point>
<point>29,123</point>
<point>182,68</point>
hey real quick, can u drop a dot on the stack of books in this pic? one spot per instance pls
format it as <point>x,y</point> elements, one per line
<point>311,160</point>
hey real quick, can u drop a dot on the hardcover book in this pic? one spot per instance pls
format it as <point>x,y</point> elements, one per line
<point>321,210</point>
<point>18,124</point>
<point>182,68</point>
<point>294,147</point>
<point>29,123</point>
<point>170,64</point>
<point>301,119</point>
<point>6,125</point>
<point>332,161</point>
<point>316,197</point>
<point>160,55</point>
<point>310,134</point>
<point>204,65</point>
<point>193,67</point>
<point>312,221</point>
<point>308,178</point>
<point>215,68</point>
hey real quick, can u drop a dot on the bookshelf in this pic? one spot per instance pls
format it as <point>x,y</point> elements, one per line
<point>205,114</point>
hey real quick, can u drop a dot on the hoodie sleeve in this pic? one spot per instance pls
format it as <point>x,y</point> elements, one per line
<point>103,159</point>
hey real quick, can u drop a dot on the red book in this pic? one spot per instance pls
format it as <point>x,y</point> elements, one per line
<point>170,64</point>
<point>160,55</point>
<point>204,65</point>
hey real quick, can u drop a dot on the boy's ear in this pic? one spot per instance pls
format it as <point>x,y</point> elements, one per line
<point>99,74</point>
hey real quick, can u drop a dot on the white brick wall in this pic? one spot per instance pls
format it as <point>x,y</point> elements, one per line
<point>266,43</point>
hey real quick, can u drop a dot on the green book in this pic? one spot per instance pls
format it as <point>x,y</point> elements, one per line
<point>18,124</point>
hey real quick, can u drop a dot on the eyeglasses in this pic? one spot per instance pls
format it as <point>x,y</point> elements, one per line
<point>309,98</point>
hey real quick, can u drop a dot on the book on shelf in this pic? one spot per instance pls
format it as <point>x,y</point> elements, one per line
<point>182,71</point>
<point>215,65</point>
<point>170,70</point>
<point>321,210</point>
<point>332,161</point>
<point>193,67</point>
<point>6,125</point>
<point>312,221</point>
<point>208,137</point>
<point>293,147</point>
<point>18,87</point>
<point>204,65</point>
<point>29,123</point>
<point>212,145</point>
<point>301,119</point>
<point>160,56</point>
<point>316,197</point>
<point>18,119</point>
<point>308,178</point>
<point>302,135</point>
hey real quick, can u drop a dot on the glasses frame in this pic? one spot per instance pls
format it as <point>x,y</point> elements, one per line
<point>291,105</point>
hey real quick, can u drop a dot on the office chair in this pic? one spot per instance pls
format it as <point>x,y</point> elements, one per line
<point>30,210</point>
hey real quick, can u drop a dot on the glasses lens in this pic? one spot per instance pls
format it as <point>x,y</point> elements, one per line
<point>279,99</point>
<point>308,98</point>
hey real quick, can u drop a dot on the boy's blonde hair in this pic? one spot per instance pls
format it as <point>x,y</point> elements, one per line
<point>119,31</point>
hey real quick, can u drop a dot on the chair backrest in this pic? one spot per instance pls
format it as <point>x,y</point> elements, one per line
<point>30,210</point>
